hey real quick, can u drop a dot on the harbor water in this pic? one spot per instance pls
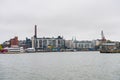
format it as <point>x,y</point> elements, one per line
<point>60,66</point>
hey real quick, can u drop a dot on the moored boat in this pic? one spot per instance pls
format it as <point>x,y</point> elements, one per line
<point>14,50</point>
<point>30,50</point>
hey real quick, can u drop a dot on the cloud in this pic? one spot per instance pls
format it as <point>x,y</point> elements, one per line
<point>81,18</point>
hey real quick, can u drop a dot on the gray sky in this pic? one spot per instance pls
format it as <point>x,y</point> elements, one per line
<point>69,18</point>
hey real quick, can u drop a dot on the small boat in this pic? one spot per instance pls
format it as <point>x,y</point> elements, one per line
<point>3,51</point>
<point>30,50</point>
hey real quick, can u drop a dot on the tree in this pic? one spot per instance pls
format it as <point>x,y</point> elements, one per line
<point>1,47</point>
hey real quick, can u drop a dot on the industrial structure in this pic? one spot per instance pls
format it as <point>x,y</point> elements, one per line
<point>103,39</point>
<point>47,43</point>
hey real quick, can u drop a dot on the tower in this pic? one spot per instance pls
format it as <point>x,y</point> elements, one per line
<point>35,38</point>
<point>35,31</point>
<point>102,36</point>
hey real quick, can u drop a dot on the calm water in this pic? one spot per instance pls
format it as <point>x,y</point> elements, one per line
<point>60,66</point>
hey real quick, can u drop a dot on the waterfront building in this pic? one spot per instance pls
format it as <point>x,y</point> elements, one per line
<point>25,43</point>
<point>33,42</point>
<point>48,44</point>
<point>84,45</point>
<point>14,42</point>
<point>22,43</point>
<point>69,44</point>
<point>6,44</point>
<point>11,43</point>
<point>28,43</point>
<point>110,47</point>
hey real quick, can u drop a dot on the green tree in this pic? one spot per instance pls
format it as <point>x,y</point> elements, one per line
<point>1,47</point>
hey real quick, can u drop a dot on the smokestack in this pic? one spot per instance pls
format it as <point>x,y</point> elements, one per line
<point>35,31</point>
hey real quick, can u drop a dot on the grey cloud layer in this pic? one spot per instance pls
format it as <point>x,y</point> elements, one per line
<point>81,18</point>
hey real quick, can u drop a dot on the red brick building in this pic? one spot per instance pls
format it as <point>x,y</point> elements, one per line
<point>14,42</point>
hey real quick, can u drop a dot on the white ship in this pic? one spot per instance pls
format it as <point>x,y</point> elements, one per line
<point>30,50</point>
<point>15,49</point>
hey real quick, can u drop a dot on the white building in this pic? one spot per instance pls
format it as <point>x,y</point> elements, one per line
<point>84,45</point>
<point>45,43</point>
<point>80,45</point>
<point>69,44</point>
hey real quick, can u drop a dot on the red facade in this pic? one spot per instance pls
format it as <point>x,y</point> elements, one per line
<point>14,42</point>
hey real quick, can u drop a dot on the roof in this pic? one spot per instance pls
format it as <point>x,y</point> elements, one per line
<point>109,44</point>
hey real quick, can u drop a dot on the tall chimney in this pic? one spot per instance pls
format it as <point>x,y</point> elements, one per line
<point>35,31</point>
<point>35,37</point>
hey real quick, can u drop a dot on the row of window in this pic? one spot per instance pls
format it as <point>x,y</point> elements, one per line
<point>45,43</point>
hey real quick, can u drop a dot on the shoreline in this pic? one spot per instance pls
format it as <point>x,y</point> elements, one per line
<point>44,52</point>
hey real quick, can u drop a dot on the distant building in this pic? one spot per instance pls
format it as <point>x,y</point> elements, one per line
<point>84,45</point>
<point>14,42</point>
<point>25,43</point>
<point>22,43</point>
<point>97,44</point>
<point>81,45</point>
<point>48,43</point>
<point>69,44</point>
<point>110,47</point>
<point>28,43</point>
<point>6,44</point>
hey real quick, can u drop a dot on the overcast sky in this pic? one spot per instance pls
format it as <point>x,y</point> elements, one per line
<point>83,19</point>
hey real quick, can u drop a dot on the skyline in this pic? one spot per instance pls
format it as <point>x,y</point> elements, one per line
<point>82,19</point>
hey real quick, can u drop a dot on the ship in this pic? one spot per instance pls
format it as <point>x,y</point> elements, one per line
<point>30,50</point>
<point>14,50</point>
